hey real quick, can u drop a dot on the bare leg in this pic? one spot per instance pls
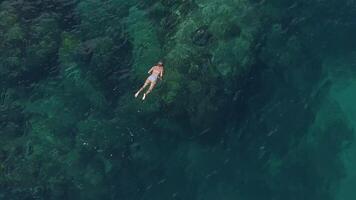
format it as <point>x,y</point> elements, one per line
<point>149,90</point>
<point>143,87</point>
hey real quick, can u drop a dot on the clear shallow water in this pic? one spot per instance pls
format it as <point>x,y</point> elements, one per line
<point>257,100</point>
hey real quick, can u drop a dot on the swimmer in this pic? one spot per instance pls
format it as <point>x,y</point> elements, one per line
<point>156,73</point>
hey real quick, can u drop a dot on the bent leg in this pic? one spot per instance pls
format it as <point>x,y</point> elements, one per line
<point>151,87</point>
<point>143,87</point>
<point>153,83</point>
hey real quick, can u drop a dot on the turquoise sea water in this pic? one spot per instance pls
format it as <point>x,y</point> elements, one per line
<point>257,101</point>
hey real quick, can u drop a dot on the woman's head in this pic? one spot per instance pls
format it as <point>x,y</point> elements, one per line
<point>160,63</point>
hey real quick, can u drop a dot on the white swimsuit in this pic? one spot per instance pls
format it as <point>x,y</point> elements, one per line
<point>153,77</point>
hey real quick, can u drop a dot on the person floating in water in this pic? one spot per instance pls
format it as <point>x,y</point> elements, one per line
<point>156,72</point>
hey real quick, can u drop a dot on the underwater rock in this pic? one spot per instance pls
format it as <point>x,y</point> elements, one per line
<point>232,31</point>
<point>201,36</point>
<point>230,120</point>
<point>12,121</point>
<point>170,21</point>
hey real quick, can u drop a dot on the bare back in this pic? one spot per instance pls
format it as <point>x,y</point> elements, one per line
<point>157,70</point>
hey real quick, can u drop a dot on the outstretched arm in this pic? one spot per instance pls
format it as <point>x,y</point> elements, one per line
<point>149,71</point>
<point>161,74</point>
